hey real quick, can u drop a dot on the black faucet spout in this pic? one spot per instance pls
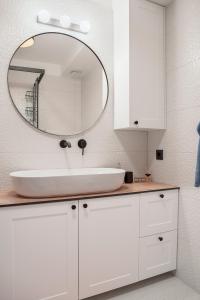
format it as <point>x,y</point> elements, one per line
<point>65,144</point>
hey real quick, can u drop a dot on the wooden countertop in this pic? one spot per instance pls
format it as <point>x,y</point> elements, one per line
<point>11,199</point>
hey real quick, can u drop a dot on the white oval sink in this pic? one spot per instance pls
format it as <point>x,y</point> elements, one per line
<point>64,182</point>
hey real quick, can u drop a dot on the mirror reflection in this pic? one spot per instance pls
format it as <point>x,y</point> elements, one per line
<point>57,84</point>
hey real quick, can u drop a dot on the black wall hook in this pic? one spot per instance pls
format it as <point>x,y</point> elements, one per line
<point>82,144</point>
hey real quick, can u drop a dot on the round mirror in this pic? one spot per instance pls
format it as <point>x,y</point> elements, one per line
<point>57,84</point>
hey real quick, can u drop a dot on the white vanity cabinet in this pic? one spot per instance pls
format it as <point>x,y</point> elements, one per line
<point>39,252</point>
<point>77,249</point>
<point>139,65</point>
<point>108,244</point>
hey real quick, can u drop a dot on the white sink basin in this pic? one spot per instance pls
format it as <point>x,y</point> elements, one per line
<point>64,182</point>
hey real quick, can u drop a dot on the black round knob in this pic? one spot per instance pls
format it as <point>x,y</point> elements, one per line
<point>82,143</point>
<point>136,122</point>
<point>162,195</point>
<point>85,205</point>
<point>63,144</point>
<point>73,207</point>
<point>160,238</point>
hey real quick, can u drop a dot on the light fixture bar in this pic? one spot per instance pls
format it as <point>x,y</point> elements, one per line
<point>63,22</point>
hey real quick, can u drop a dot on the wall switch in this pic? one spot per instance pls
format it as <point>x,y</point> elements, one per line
<point>159,154</point>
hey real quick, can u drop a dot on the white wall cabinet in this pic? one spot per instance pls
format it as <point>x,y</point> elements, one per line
<point>108,244</point>
<point>47,249</point>
<point>139,65</point>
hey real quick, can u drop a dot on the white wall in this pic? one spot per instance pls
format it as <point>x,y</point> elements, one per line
<point>22,147</point>
<point>180,140</point>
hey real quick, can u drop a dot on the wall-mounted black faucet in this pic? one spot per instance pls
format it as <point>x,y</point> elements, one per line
<point>65,144</point>
<point>82,144</point>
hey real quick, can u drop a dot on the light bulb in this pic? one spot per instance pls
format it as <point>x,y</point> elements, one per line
<point>44,16</point>
<point>27,43</point>
<point>85,26</point>
<point>65,21</point>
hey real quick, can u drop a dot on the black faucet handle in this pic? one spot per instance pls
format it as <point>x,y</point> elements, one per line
<point>65,144</point>
<point>82,144</point>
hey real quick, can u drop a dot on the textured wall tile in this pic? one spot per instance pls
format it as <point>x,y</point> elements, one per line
<point>183,87</point>
<point>176,168</point>
<point>181,134</point>
<point>183,33</point>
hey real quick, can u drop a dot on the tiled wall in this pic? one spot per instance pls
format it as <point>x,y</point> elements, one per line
<point>180,140</point>
<point>21,147</point>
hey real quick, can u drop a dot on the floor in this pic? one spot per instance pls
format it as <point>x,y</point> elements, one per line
<point>167,287</point>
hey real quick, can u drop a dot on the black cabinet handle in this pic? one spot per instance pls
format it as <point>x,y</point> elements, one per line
<point>162,195</point>
<point>160,238</point>
<point>136,122</point>
<point>73,207</point>
<point>85,205</point>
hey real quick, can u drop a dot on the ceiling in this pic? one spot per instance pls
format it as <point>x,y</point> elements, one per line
<point>57,53</point>
<point>108,3</point>
<point>49,48</point>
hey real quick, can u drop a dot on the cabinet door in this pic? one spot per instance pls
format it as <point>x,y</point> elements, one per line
<point>158,212</point>
<point>148,101</point>
<point>39,252</point>
<point>157,254</point>
<point>108,244</point>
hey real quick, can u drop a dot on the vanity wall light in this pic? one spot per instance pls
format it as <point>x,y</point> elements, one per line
<point>64,21</point>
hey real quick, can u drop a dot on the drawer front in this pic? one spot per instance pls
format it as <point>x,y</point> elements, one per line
<point>158,212</point>
<point>157,254</point>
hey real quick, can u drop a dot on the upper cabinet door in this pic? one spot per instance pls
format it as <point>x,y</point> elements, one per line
<point>148,65</point>
<point>39,252</point>
<point>139,47</point>
<point>108,244</point>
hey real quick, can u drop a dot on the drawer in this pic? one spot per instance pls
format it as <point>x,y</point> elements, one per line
<point>157,254</point>
<point>158,212</point>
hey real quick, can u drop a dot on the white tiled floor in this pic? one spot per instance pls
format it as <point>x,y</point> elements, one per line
<point>166,287</point>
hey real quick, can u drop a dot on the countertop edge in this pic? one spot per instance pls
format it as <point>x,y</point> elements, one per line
<point>120,192</point>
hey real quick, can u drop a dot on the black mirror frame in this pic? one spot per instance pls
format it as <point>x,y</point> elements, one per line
<point>107,81</point>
